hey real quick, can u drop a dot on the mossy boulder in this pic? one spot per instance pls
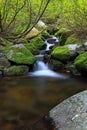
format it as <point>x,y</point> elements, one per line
<point>81,63</point>
<point>35,44</point>
<point>63,53</point>
<point>19,54</point>
<point>16,70</point>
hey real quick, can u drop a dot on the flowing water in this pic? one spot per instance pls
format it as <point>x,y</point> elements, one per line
<point>24,100</point>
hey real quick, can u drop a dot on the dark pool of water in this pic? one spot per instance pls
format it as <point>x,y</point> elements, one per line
<point>24,100</point>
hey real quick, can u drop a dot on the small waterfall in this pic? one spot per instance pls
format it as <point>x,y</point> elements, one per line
<point>48,45</point>
<point>41,65</point>
<point>42,69</point>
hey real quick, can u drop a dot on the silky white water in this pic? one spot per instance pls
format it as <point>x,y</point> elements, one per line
<point>43,70</point>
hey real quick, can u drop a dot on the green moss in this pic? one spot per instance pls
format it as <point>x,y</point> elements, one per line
<point>35,44</point>
<point>70,40</point>
<point>45,34</point>
<point>81,61</point>
<point>19,55</point>
<point>61,53</point>
<point>16,70</point>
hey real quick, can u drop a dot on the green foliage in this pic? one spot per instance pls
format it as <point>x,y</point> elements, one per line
<point>17,18</point>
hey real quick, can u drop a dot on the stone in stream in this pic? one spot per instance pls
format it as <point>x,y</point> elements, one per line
<point>71,114</point>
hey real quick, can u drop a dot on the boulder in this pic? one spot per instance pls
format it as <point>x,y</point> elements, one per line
<point>63,53</point>
<point>81,63</point>
<point>40,25</point>
<point>16,70</point>
<point>19,54</point>
<point>35,44</point>
<point>34,32</point>
<point>71,114</point>
<point>4,63</point>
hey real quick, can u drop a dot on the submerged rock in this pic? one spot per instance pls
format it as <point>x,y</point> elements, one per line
<point>81,63</point>
<point>16,70</point>
<point>71,114</point>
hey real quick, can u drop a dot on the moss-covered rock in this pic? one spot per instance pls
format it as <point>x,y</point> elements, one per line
<point>16,70</point>
<point>19,54</point>
<point>63,34</point>
<point>56,65</point>
<point>81,63</point>
<point>35,44</point>
<point>70,40</point>
<point>45,34</point>
<point>63,53</point>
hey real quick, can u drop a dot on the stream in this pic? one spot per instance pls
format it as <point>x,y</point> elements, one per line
<point>26,99</point>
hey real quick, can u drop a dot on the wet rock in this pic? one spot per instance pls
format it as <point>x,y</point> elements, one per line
<point>51,40</point>
<point>73,70</point>
<point>16,70</point>
<point>56,65</point>
<point>71,114</point>
<point>81,63</point>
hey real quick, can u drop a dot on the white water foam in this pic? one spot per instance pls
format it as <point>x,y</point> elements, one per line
<point>43,70</point>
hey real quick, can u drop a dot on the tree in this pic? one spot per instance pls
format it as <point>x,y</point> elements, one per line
<point>17,18</point>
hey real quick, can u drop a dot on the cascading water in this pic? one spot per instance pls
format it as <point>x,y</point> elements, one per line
<point>41,68</point>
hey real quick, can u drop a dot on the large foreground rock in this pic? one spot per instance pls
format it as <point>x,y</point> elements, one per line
<point>71,114</point>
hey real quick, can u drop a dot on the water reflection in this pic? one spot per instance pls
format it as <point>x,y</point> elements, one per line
<point>24,100</point>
